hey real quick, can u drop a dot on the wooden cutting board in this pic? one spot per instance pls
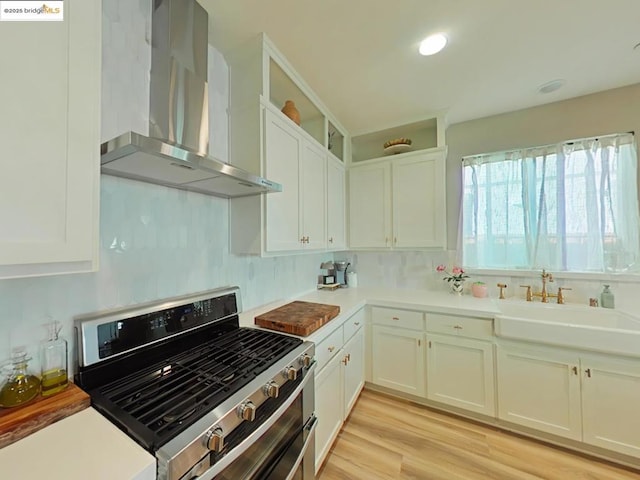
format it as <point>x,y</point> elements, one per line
<point>23,420</point>
<point>298,318</point>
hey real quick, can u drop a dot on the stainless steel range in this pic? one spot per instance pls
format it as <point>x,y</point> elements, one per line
<point>209,399</point>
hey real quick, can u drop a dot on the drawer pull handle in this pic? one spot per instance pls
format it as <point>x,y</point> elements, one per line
<point>345,360</point>
<point>331,349</point>
<point>395,318</point>
<point>588,372</point>
<point>356,323</point>
<point>457,327</point>
<point>574,370</point>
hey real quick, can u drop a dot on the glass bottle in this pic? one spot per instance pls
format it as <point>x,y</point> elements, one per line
<point>607,300</point>
<point>19,385</point>
<point>53,363</point>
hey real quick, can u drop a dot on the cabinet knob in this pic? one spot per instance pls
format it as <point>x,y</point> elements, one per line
<point>588,372</point>
<point>395,318</point>
<point>345,360</point>
<point>331,349</point>
<point>330,239</point>
<point>395,240</point>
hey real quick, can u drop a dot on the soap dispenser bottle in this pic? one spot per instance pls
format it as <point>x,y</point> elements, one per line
<point>607,300</point>
<point>53,362</point>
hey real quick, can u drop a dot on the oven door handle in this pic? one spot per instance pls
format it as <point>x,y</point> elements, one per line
<point>311,428</point>
<point>247,442</point>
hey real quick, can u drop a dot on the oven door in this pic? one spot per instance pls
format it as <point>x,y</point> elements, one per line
<point>282,448</point>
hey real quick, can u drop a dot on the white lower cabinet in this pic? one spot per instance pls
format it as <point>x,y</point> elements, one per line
<point>353,361</point>
<point>610,395</point>
<point>339,380</point>
<point>460,373</point>
<point>585,397</point>
<point>540,388</point>
<point>329,391</point>
<point>397,350</point>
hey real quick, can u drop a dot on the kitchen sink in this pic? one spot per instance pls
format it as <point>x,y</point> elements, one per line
<point>590,328</point>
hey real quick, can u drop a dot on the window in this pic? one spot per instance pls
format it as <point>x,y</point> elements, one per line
<point>567,207</point>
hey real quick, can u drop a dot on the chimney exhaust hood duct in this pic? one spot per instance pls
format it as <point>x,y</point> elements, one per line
<point>176,152</point>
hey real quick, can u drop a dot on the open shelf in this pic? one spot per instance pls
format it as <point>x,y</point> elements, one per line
<point>335,141</point>
<point>423,135</point>
<point>282,88</point>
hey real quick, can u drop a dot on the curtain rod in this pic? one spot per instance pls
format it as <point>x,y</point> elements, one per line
<point>565,142</point>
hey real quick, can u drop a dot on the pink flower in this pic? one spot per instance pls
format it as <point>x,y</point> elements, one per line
<point>457,270</point>
<point>440,268</point>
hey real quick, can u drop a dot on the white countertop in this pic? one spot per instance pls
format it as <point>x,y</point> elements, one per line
<point>86,445</point>
<point>80,447</point>
<point>351,300</point>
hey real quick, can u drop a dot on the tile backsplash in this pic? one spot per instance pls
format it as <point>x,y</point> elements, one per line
<point>155,242</point>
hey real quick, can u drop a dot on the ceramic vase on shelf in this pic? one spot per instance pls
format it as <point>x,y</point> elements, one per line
<point>457,286</point>
<point>291,111</point>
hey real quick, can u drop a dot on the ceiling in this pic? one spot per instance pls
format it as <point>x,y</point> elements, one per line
<point>360,56</point>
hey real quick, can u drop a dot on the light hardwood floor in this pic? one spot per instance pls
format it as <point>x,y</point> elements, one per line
<point>386,438</point>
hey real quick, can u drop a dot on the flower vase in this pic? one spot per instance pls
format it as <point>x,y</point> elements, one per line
<point>457,287</point>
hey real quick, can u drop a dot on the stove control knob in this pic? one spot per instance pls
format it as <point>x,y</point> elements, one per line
<point>290,373</point>
<point>214,439</point>
<point>272,389</point>
<point>305,360</point>
<point>247,411</point>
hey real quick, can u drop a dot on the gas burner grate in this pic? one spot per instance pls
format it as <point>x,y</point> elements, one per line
<point>169,396</point>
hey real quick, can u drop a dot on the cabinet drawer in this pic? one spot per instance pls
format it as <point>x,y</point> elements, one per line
<point>462,326</point>
<point>328,347</point>
<point>397,318</point>
<point>353,324</point>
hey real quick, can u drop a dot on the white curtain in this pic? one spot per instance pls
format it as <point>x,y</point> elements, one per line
<point>566,207</point>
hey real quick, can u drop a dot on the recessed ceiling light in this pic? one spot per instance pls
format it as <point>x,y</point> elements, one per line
<point>432,44</point>
<point>552,86</point>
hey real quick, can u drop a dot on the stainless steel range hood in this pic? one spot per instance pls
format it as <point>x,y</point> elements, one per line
<point>175,153</point>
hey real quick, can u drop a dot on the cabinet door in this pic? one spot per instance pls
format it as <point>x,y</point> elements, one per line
<point>328,397</point>
<point>419,208</point>
<point>460,373</point>
<point>370,206</point>
<point>353,360</point>
<point>50,134</point>
<point>282,156</point>
<point>397,357</point>
<point>314,196</point>
<point>540,388</point>
<point>336,205</point>
<point>610,393</point>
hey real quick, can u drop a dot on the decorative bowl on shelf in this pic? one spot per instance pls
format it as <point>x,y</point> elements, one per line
<point>398,145</point>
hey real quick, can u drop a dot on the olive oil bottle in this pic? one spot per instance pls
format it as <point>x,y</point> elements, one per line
<point>20,386</point>
<point>53,362</point>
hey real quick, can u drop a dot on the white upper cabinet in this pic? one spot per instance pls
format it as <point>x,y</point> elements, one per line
<point>336,202</point>
<point>262,80</point>
<point>370,206</point>
<point>313,224</point>
<point>398,202</point>
<point>419,209</point>
<point>282,158</point>
<point>50,136</point>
